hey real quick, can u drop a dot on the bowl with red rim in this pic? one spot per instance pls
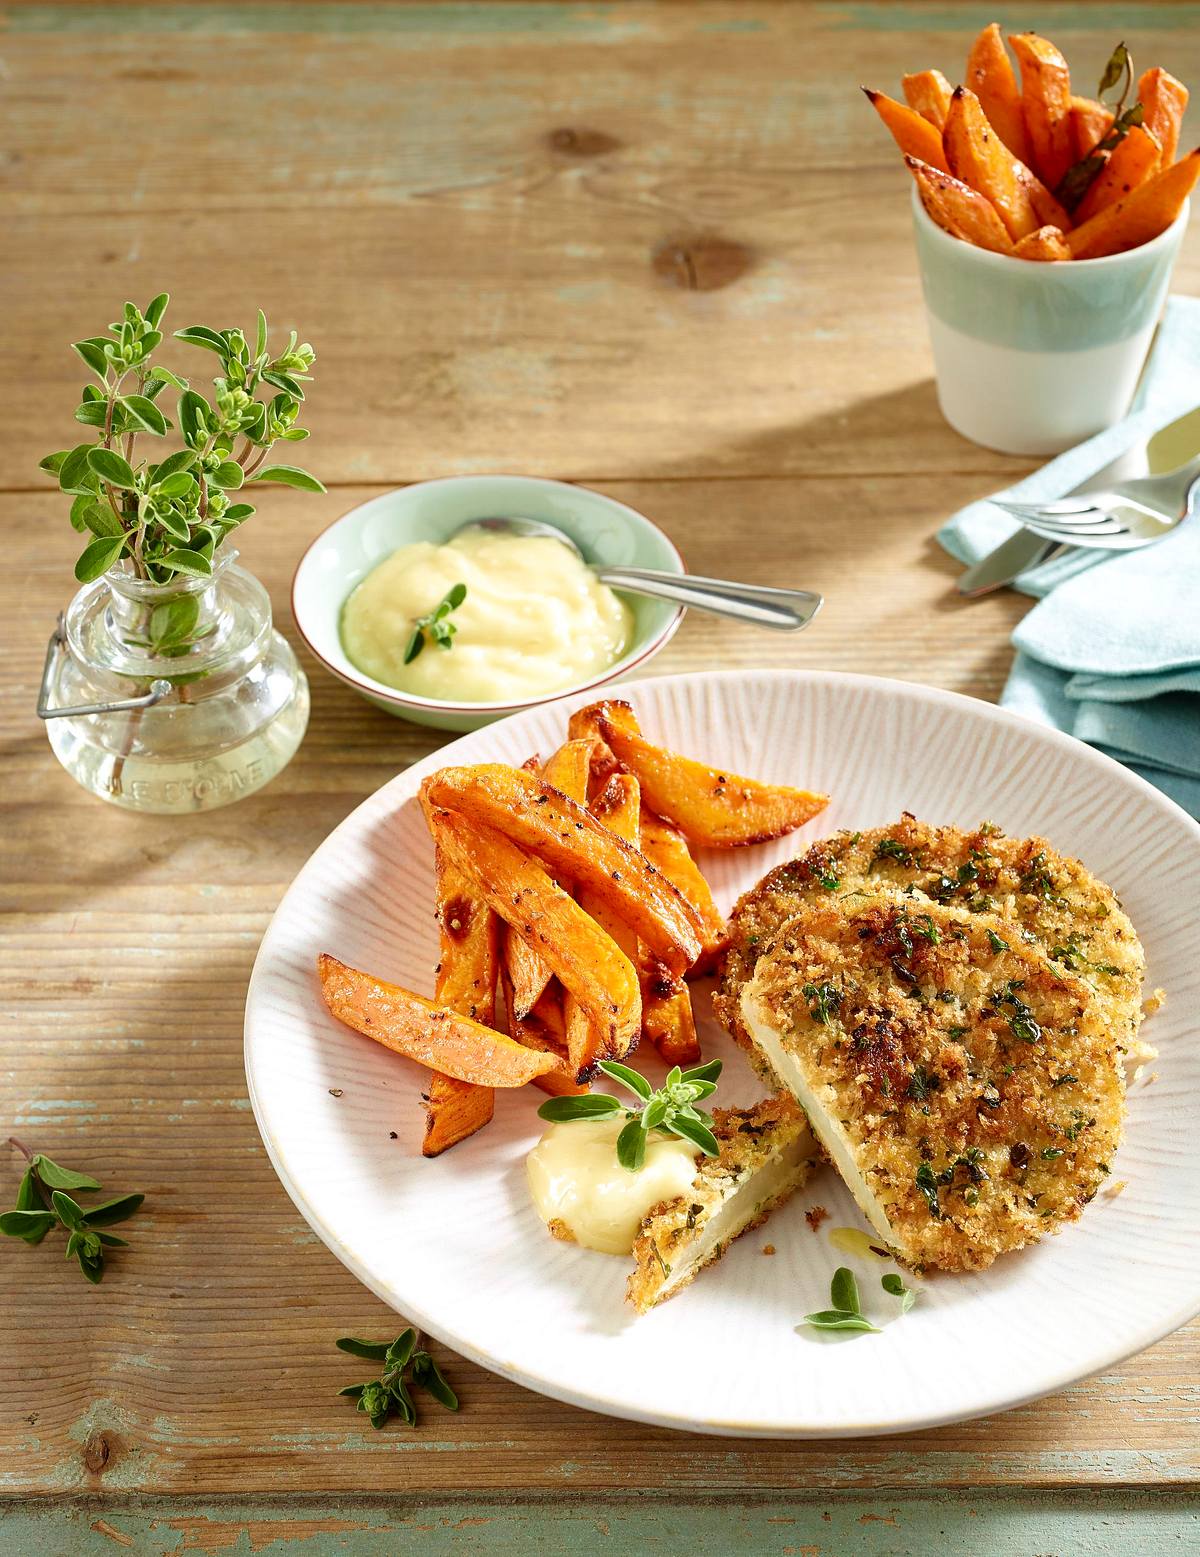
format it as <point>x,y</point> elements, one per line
<point>604,530</point>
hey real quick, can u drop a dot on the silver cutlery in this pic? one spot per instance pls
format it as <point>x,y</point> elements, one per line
<point>1124,517</point>
<point>1164,453</point>
<point>785,610</point>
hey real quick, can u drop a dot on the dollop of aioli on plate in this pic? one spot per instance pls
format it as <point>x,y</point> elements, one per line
<point>583,1193</point>
<point>535,619</point>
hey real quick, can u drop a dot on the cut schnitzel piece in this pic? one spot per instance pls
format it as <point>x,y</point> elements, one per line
<point>967,1089</point>
<point>767,1152</point>
<point>1058,905</point>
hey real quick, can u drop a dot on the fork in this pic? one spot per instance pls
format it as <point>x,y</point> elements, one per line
<point>1124,517</point>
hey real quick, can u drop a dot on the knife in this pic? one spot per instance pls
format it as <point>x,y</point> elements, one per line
<point>1166,450</point>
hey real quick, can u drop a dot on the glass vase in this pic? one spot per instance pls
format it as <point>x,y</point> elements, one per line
<point>210,701</point>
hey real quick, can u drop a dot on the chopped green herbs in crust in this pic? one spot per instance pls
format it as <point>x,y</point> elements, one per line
<point>767,1152</point>
<point>967,1087</point>
<point>1054,904</point>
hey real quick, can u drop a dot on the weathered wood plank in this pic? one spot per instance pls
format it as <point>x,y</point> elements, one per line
<point>1101,1524</point>
<point>659,247</point>
<point>492,220</point>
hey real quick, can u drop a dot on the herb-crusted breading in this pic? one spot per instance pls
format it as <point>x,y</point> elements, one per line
<point>767,1152</point>
<point>1055,903</point>
<point>968,1089</point>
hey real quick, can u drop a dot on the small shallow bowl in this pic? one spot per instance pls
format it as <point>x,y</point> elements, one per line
<point>604,530</point>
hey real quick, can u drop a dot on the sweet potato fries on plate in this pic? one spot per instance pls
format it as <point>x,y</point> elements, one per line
<point>1035,171</point>
<point>571,888</point>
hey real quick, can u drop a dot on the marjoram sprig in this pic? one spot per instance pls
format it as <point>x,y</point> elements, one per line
<point>671,1108</point>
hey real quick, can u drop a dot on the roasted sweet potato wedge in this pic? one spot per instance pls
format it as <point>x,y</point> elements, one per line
<point>543,1028</point>
<point>1138,217</point>
<point>915,136</point>
<point>1132,161</point>
<point>958,209</point>
<point>588,962</point>
<point>1047,209</point>
<point>713,808</point>
<point>991,77</point>
<point>667,1017</point>
<point>616,806</point>
<point>1045,243</point>
<point>666,847</point>
<point>432,1035</point>
<point>1090,123</point>
<point>977,156</point>
<point>567,769</point>
<point>1046,105</point>
<point>466,983</point>
<point>928,92</point>
<point>576,847</point>
<point>1163,101</point>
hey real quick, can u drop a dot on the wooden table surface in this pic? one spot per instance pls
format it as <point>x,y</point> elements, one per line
<point>660,249</point>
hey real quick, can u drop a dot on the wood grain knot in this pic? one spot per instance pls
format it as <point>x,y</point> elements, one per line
<point>98,1449</point>
<point>581,143</point>
<point>702,264</point>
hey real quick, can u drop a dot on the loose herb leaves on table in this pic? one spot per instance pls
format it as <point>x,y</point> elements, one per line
<point>44,1203</point>
<point>403,1364</point>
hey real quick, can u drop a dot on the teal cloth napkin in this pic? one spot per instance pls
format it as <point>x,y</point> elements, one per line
<point>1111,654</point>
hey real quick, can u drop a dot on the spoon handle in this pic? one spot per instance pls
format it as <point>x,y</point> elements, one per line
<point>786,610</point>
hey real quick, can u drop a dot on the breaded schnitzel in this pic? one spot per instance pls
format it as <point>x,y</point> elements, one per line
<point>1058,905</point>
<point>968,1089</point>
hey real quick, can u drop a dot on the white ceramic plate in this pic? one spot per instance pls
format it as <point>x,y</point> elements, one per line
<point>454,1244</point>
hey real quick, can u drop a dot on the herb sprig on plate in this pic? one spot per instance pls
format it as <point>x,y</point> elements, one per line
<point>436,624</point>
<point>845,1312</point>
<point>44,1203</point>
<point>403,1364</point>
<point>671,1109</point>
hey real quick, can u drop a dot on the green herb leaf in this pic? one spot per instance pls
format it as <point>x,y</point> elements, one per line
<point>627,1077</point>
<point>173,621</point>
<point>54,1177</point>
<point>111,467</point>
<point>260,338</point>
<point>707,1072</point>
<point>228,476</point>
<point>75,473</point>
<point>376,1351</point>
<point>893,1284</point>
<point>195,415</point>
<point>287,476</point>
<point>53,463</point>
<point>182,459</point>
<point>843,1291</point>
<point>428,1375</point>
<point>926,1182</point>
<point>631,1146</point>
<point>698,1133</point>
<point>589,1105</point>
<point>201,335</point>
<point>119,1209</point>
<point>837,1319</point>
<point>143,411</point>
<point>93,355</point>
<point>156,308</point>
<point>97,557</point>
<point>401,1349</point>
<point>185,560</point>
<point>30,1225</point>
<point>996,942</point>
<point>69,1212</point>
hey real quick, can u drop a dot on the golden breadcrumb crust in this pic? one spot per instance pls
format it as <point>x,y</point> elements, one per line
<point>750,1139</point>
<point>977,1084</point>
<point>1073,917</point>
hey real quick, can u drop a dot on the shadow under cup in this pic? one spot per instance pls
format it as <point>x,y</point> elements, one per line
<point>1033,357</point>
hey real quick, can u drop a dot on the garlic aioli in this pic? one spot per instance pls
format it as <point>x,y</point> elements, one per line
<point>535,619</point>
<point>583,1193</point>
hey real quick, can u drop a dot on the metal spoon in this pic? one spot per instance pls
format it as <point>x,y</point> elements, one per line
<point>785,610</point>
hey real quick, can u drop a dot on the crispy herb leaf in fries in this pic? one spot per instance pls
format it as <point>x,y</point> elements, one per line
<point>1134,159</point>
<point>588,962</point>
<point>431,1034</point>
<point>576,846</point>
<point>1140,216</point>
<point>466,983</point>
<point>714,809</point>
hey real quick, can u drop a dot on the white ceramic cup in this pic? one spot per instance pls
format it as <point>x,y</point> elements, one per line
<point>1033,357</point>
